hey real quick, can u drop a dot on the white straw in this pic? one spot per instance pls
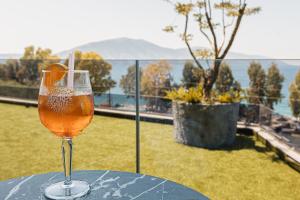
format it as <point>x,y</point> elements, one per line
<point>71,70</point>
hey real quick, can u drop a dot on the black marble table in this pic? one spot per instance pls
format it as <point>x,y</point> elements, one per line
<point>104,185</point>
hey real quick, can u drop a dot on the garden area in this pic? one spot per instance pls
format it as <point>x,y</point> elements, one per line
<point>247,170</point>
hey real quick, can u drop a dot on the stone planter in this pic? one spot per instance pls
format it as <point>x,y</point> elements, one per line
<point>207,126</point>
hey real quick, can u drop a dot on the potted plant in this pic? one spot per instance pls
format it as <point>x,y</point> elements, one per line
<point>205,122</point>
<point>201,116</point>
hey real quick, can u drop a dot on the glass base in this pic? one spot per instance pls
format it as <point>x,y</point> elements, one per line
<point>59,190</point>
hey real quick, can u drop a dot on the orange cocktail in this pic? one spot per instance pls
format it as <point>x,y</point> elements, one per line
<point>69,117</point>
<point>66,107</point>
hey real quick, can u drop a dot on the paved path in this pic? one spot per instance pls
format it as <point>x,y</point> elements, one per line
<point>277,142</point>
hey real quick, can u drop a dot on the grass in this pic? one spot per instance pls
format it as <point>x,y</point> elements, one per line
<point>245,171</point>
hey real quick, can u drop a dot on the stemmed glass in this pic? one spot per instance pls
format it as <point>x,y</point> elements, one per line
<point>66,110</point>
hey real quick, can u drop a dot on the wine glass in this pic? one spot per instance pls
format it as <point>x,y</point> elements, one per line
<point>66,109</point>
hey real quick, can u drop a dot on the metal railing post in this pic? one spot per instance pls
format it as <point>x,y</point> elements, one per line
<point>137,114</point>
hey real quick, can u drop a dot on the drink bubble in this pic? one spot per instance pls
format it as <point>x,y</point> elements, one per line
<point>59,99</point>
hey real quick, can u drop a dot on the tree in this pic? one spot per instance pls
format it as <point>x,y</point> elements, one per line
<point>257,77</point>
<point>32,63</point>
<point>225,81</point>
<point>127,82</point>
<point>192,75</point>
<point>273,86</point>
<point>2,71</point>
<point>156,80</point>
<point>294,98</point>
<point>98,68</point>
<point>216,33</point>
<point>9,69</point>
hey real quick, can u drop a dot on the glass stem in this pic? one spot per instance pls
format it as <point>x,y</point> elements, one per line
<point>66,148</point>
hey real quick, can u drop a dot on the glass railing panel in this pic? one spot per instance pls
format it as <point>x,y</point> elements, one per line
<point>209,169</point>
<point>107,143</point>
<point>113,130</point>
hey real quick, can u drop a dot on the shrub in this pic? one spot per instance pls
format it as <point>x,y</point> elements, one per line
<point>196,95</point>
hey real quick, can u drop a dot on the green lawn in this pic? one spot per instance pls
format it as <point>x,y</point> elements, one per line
<point>246,171</point>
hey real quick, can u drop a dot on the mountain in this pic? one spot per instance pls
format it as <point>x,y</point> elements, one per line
<point>132,49</point>
<point>9,56</point>
<point>126,48</point>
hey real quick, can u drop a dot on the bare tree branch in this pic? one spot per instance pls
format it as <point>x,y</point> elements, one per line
<point>223,18</point>
<point>206,36</point>
<point>225,33</point>
<point>202,31</point>
<point>234,32</point>
<point>224,28</point>
<point>213,34</point>
<point>209,6</point>
<point>231,23</point>
<point>187,42</point>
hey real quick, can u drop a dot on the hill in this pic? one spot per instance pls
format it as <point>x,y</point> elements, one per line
<point>126,48</point>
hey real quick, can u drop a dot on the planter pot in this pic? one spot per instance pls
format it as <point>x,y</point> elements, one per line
<point>207,126</point>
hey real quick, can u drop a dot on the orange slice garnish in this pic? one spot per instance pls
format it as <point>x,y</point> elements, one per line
<point>56,72</point>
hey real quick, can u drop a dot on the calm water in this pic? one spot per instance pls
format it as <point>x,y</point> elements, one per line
<point>288,68</point>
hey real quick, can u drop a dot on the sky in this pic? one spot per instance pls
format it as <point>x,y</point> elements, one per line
<point>63,24</point>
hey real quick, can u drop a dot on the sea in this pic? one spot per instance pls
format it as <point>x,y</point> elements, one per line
<point>239,67</point>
